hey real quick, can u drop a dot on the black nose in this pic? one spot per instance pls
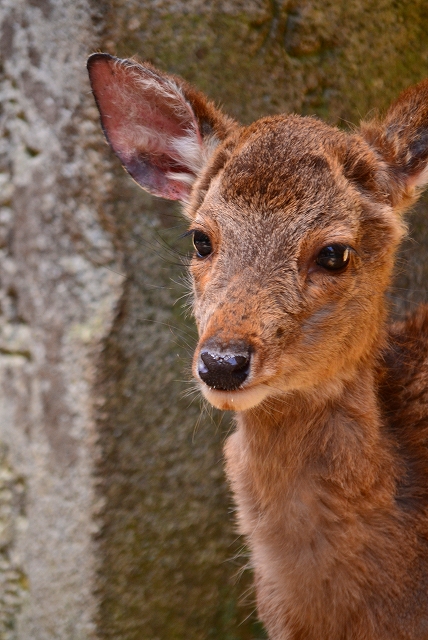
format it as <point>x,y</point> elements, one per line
<point>224,369</point>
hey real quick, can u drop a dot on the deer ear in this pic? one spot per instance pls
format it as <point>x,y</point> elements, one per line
<point>401,141</point>
<point>162,130</point>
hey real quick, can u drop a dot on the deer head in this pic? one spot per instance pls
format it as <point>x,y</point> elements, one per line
<point>295,225</point>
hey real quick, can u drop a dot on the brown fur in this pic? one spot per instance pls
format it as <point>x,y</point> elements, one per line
<point>329,460</point>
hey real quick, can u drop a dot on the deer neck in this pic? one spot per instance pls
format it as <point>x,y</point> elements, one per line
<point>303,451</point>
<point>314,479</point>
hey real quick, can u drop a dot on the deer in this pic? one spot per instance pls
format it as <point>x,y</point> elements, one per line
<point>295,226</point>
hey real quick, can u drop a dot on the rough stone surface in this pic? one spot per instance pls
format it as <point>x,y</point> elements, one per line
<point>115,521</point>
<point>57,302</point>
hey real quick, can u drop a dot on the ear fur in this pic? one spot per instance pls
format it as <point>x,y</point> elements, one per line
<point>162,130</point>
<point>400,139</point>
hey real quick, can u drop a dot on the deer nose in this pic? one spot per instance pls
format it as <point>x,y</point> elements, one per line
<point>224,370</point>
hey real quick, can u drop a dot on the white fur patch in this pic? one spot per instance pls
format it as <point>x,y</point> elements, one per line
<point>239,400</point>
<point>186,178</point>
<point>421,179</point>
<point>189,150</point>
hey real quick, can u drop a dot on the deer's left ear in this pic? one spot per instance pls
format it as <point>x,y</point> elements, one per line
<point>162,129</point>
<point>401,141</point>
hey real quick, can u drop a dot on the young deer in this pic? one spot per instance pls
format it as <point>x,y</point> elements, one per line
<point>295,226</point>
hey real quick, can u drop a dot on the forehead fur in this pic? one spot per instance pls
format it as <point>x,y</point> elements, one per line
<point>282,160</point>
<point>296,173</point>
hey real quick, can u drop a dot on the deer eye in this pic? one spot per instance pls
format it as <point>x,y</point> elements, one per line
<point>202,244</point>
<point>334,257</point>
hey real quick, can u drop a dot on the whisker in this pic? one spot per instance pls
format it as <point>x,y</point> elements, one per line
<point>170,326</point>
<point>124,275</point>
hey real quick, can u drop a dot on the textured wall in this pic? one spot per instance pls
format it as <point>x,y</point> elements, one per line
<point>57,302</point>
<point>114,518</point>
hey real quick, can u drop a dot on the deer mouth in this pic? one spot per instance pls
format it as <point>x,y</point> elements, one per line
<point>240,399</point>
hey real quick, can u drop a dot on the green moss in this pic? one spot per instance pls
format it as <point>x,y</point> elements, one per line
<point>335,60</point>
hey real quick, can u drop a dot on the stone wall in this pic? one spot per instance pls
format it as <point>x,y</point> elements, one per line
<point>115,521</point>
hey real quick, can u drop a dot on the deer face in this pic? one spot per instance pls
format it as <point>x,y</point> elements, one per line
<point>295,225</point>
<point>292,261</point>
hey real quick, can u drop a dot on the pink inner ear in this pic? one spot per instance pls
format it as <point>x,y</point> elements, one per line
<point>144,116</point>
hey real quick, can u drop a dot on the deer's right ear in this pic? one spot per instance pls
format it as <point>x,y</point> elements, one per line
<point>401,141</point>
<point>162,130</point>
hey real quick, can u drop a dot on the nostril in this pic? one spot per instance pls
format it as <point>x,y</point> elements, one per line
<point>224,371</point>
<point>228,362</point>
